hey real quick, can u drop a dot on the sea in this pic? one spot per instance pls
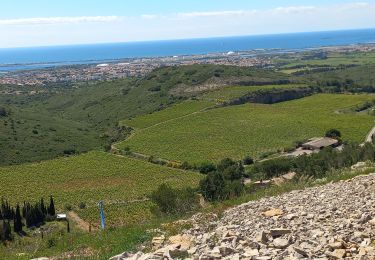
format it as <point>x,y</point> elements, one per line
<point>13,59</point>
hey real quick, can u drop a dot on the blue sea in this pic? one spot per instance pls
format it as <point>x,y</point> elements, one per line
<point>42,57</point>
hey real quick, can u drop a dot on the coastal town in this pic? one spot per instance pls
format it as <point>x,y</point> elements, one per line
<point>138,67</point>
<point>125,68</point>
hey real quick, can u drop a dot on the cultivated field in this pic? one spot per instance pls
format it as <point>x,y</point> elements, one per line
<point>179,110</point>
<point>88,178</point>
<point>332,60</point>
<point>251,129</point>
<point>233,92</point>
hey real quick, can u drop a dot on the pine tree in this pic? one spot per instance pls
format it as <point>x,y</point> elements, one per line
<point>18,220</point>
<point>51,208</point>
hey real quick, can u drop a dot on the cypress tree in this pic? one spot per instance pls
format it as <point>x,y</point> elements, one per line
<point>18,220</point>
<point>51,208</point>
<point>42,207</point>
<point>6,231</point>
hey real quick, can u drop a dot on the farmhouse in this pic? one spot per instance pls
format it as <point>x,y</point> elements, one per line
<point>320,143</point>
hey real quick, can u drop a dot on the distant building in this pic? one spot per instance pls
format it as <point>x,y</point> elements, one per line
<point>320,143</point>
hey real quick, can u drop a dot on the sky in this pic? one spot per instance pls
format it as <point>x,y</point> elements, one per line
<point>26,23</point>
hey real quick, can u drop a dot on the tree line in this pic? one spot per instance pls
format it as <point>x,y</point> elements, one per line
<point>29,215</point>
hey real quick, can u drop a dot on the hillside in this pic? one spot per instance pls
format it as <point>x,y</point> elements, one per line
<point>328,222</point>
<point>51,121</point>
<point>121,183</point>
<point>249,129</point>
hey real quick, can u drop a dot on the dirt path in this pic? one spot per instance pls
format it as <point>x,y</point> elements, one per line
<point>369,135</point>
<point>80,223</point>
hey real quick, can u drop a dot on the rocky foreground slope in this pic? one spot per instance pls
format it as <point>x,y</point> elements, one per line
<point>334,221</point>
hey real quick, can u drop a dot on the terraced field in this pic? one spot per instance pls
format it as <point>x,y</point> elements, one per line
<point>250,129</point>
<point>122,184</point>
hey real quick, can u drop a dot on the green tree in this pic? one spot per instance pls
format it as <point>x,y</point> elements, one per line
<point>51,208</point>
<point>213,186</point>
<point>18,220</point>
<point>6,232</point>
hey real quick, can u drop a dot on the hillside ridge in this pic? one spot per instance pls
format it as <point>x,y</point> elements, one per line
<point>333,221</point>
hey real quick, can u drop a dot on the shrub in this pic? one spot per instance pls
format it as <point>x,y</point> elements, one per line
<point>68,207</point>
<point>333,133</point>
<point>207,167</point>
<point>273,168</point>
<point>3,112</point>
<point>248,160</point>
<point>70,151</point>
<point>51,242</point>
<point>225,182</point>
<point>82,205</point>
<point>174,201</point>
<point>155,89</point>
<point>213,187</point>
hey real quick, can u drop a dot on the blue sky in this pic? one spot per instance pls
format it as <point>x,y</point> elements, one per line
<point>58,22</point>
<point>42,8</point>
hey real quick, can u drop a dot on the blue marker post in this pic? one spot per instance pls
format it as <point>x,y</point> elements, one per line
<point>101,205</point>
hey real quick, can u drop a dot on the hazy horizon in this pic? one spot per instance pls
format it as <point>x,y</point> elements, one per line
<point>182,39</point>
<point>43,23</point>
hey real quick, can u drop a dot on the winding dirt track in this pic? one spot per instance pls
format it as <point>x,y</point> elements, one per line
<point>80,223</point>
<point>370,135</point>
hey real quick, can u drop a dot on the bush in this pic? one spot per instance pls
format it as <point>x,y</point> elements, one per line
<point>172,201</point>
<point>230,169</point>
<point>82,205</point>
<point>51,242</point>
<point>68,207</point>
<point>225,182</point>
<point>273,168</point>
<point>155,89</point>
<point>333,133</point>
<point>248,160</point>
<point>207,167</point>
<point>3,112</point>
<point>70,151</point>
<point>213,187</point>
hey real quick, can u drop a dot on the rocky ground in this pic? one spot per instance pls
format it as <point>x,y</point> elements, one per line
<point>335,221</point>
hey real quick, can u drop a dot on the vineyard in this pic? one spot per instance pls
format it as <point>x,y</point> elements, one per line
<point>121,183</point>
<point>251,129</point>
<point>332,59</point>
<point>233,92</point>
<point>179,110</point>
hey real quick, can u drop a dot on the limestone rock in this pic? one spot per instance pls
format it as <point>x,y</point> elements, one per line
<point>272,212</point>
